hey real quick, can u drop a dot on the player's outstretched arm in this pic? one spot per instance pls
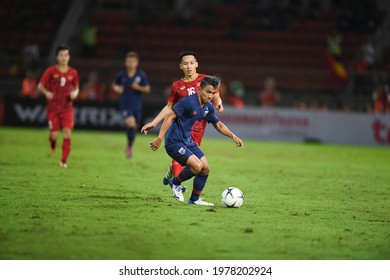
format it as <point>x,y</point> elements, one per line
<point>223,129</point>
<point>155,144</point>
<point>163,113</point>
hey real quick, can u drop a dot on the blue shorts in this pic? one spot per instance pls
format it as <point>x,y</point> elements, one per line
<point>131,112</point>
<point>181,152</point>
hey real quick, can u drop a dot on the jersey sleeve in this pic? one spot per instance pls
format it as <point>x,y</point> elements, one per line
<point>211,117</point>
<point>144,79</point>
<point>173,97</point>
<point>45,77</point>
<point>76,79</point>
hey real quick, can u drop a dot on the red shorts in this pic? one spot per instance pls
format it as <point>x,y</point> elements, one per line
<point>56,121</point>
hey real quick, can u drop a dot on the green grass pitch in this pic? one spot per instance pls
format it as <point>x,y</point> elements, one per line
<point>302,201</point>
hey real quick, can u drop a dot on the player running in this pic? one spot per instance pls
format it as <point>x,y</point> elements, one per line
<point>60,85</point>
<point>180,146</point>
<point>130,84</point>
<point>187,85</point>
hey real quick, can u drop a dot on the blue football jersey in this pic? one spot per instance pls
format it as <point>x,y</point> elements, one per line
<point>130,96</point>
<point>188,111</point>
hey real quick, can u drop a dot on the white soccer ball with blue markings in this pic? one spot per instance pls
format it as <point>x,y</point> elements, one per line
<point>232,197</point>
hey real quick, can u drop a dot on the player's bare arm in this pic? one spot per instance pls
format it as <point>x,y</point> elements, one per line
<point>49,95</point>
<point>143,89</point>
<point>163,113</point>
<point>217,102</point>
<point>224,130</point>
<point>155,144</point>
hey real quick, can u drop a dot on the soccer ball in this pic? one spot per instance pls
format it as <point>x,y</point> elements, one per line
<point>232,197</point>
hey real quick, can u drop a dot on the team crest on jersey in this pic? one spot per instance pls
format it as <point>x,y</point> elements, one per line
<point>205,113</point>
<point>182,151</point>
<point>182,87</point>
<point>70,77</point>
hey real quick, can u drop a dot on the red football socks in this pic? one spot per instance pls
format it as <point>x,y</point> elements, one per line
<point>65,149</point>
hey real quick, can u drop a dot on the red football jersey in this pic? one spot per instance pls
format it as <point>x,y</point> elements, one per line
<point>60,84</point>
<point>180,89</point>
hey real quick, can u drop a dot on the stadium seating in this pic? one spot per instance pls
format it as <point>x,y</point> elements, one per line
<point>22,24</point>
<point>293,53</point>
<point>294,56</point>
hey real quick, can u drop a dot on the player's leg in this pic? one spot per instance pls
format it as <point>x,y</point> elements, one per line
<point>201,177</point>
<point>131,132</point>
<point>199,184</point>
<point>193,167</point>
<point>67,123</point>
<point>175,168</point>
<point>187,156</point>
<point>199,169</point>
<point>184,156</point>
<point>168,176</point>
<point>53,135</point>
<point>53,123</point>
<point>66,146</point>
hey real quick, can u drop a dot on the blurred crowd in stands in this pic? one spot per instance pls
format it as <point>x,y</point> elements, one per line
<point>353,16</point>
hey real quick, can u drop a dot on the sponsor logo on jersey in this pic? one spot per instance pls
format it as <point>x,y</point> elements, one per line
<point>182,87</point>
<point>182,151</point>
<point>55,76</point>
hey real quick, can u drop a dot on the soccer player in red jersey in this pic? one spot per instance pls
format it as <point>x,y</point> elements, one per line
<point>187,85</point>
<point>60,85</point>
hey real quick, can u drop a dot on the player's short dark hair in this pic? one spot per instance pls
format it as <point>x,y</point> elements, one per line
<point>214,81</point>
<point>185,53</point>
<point>132,54</point>
<point>62,48</point>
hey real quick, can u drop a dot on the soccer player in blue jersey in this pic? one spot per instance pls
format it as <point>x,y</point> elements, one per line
<point>130,84</point>
<point>179,145</point>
